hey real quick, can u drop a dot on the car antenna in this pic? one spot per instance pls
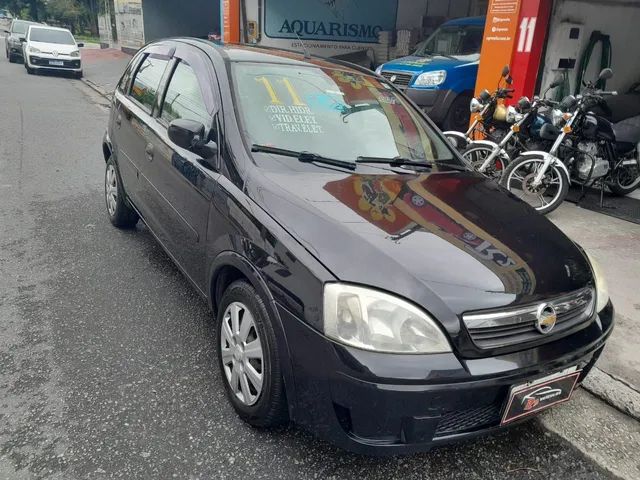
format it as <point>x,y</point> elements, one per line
<point>306,52</point>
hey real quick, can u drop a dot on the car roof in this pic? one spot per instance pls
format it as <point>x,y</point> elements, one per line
<point>239,53</point>
<point>26,22</point>
<point>47,27</point>
<point>479,21</point>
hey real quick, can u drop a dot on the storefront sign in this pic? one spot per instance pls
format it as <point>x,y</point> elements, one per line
<point>333,20</point>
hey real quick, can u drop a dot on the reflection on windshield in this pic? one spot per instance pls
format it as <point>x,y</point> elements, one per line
<point>454,40</point>
<point>401,207</point>
<point>334,113</point>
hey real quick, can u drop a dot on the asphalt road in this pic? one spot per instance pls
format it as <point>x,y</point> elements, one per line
<point>106,355</point>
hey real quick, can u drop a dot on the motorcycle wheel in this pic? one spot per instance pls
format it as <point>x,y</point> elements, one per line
<point>544,198</point>
<point>625,180</point>
<point>476,155</point>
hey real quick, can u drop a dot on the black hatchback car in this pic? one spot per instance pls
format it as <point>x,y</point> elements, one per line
<point>367,285</point>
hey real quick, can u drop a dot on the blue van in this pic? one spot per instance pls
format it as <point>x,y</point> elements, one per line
<point>441,74</point>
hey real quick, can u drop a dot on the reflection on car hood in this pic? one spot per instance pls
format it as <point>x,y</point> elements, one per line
<point>469,242</point>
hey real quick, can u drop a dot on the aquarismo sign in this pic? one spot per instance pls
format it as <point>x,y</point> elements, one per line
<point>333,20</point>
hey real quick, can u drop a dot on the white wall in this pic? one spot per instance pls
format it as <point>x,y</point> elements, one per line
<point>619,19</point>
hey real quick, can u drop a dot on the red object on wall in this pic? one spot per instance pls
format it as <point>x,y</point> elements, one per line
<point>533,23</point>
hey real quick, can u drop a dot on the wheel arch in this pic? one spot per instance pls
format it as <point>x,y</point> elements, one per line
<point>107,148</point>
<point>230,266</point>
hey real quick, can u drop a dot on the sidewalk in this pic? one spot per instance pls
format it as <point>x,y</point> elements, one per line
<point>103,68</point>
<point>616,246</point>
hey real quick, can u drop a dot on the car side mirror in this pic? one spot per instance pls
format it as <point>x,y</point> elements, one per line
<point>23,40</point>
<point>80,45</point>
<point>187,134</point>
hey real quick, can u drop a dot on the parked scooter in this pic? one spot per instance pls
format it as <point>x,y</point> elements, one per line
<point>491,159</point>
<point>491,116</point>
<point>586,150</point>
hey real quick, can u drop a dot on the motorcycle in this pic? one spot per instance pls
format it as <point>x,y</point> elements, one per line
<point>491,116</point>
<point>490,158</point>
<point>586,149</point>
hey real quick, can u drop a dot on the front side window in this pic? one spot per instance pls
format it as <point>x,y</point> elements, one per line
<point>184,97</point>
<point>334,113</point>
<point>452,40</point>
<point>45,35</point>
<point>147,80</point>
<point>19,27</point>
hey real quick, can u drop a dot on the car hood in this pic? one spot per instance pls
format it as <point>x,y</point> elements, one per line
<point>451,239</point>
<point>45,47</point>
<point>417,64</point>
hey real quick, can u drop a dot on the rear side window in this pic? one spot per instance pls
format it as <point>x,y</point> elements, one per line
<point>147,80</point>
<point>123,85</point>
<point>184,98</point>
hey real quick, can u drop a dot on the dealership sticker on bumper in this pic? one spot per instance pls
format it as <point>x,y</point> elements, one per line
<point>532,397</point>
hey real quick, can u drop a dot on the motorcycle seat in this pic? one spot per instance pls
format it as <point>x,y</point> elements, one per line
<point>627,132</point>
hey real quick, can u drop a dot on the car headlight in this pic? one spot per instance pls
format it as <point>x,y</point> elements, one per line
<point>75,53</point>
<point>379,70</point>
<point>33,50</point>
<point>602,291</point>
<point>475,106</point>
<point>376,321</point>
<point>431,79</point>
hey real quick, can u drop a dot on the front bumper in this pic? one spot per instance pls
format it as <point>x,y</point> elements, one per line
<point>15,49</point>
<point>382,404</point>
<point>435,103</point>
<point>68,64</point>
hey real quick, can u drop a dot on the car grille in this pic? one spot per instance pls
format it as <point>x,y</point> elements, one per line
<point>461,421</point>
<point>45,62</point>
<point>401,80</point>
<point>497,329</point>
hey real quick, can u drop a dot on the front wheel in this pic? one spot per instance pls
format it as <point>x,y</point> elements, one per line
<point>545,197</point>
<point>625,180</point>
<point>248,357</point>
<point>458,116</point>
<point>477,154</point>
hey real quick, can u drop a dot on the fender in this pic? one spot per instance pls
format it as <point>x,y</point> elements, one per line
<point>458,139</point>
<point>233,259</point>
<point>548,160</point>
<point>493,146</point>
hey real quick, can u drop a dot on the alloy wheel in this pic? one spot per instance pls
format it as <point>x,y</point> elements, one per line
<point>520,182</point>
<point>111,189</point>
<point>242,354</point>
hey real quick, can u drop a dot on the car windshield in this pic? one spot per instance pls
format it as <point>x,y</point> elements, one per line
<point>334,113</point>
<point>452,40</point>
<point>46,35</point>
<point>20,27</point>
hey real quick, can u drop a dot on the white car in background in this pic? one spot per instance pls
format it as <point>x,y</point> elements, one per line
<point>51,48</point>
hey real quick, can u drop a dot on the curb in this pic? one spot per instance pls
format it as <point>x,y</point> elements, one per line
<point>97,88</point>
<point>613,391</point>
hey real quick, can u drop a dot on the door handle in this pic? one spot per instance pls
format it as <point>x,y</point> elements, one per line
<point>148,151</point>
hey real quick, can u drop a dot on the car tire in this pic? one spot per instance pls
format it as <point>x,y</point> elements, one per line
<point>30,70</point>
<point>458,116</point>
<point>120,212</point>
<point>262,407</point>
<point>78,75</point>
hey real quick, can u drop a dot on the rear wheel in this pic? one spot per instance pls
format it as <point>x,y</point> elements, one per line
<point>546,197</point>
<point>121,214</point>
<point>30,70</point>
<point>625,180</point>
<point>459,114</point>
<point>477,155</point>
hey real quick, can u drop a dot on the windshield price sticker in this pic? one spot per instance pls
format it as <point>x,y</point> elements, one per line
<point>293,119</point>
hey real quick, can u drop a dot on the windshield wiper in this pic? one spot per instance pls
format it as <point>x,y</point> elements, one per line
<point>306,157</point>
<point>395,161</point>
<point>407,162</point>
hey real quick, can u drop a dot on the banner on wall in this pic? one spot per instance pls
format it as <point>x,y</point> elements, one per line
<point>332,20</point>
<point>230,21</point>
